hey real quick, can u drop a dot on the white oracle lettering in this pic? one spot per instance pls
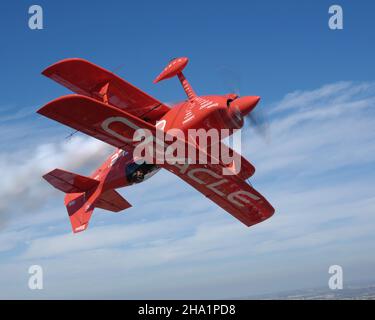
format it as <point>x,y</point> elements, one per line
<point>106,123</point>
<point>240,196</point>
<point>213,186</point>
<point>182,167</point>
<point>193,171</point>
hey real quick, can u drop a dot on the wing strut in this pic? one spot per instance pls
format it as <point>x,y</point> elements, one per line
<point>103,92</point>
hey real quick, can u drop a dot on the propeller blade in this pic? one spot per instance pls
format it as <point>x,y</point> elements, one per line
<point>258,121</point>
<point>253,117</point>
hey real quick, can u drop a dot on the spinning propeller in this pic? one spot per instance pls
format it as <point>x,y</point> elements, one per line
<point>254,118</point>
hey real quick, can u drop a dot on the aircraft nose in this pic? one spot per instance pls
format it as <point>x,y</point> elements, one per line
<point>246,104</point>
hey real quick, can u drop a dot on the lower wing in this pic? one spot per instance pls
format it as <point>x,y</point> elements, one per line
<point>230,192</point>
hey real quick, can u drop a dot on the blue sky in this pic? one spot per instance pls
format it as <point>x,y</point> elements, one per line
<point>317,86</point>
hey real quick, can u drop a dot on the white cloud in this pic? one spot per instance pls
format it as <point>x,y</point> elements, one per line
<point>22,187</point>
<point>336,92</point>
<point>317,135</point>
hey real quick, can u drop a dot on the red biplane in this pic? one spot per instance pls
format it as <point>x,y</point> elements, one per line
<point>111,109</point>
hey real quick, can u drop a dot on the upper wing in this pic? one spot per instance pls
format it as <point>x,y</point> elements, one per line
<point>88,79</point>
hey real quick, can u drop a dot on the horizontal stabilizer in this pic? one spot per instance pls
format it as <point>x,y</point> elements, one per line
<point>69,182</point>
<point>111,200</point>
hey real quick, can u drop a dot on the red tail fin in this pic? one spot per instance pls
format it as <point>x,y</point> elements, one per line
<point>83,196</point>
<point>79,210</point>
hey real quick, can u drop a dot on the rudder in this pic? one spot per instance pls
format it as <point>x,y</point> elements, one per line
<point>79,210</point>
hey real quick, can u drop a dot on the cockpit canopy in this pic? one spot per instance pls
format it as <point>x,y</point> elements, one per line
<point>136,173</point>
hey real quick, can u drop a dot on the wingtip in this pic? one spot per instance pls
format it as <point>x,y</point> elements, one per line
<point>50,69</point>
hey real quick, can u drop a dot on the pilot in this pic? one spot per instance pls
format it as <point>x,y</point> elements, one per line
<point>138,176</point>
